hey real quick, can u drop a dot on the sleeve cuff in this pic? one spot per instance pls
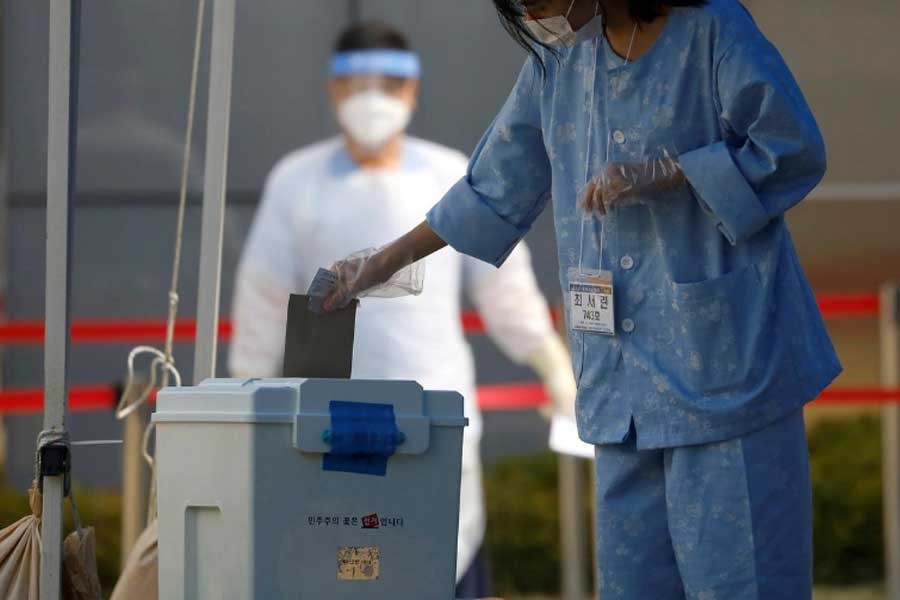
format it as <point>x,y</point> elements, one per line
<point>723,192</point>
<point>463,220</point>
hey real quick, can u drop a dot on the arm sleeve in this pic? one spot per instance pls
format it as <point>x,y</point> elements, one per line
<point>265,279</point>
<point>259,316</point>
<point>515,312</point>
<point>507,184</point>
<point>772,154</point>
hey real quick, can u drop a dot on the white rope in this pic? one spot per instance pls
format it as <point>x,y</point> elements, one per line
<point>145,446</point>
<point>132,399</point>
<point>182,197</point>
<point>137,392</point>
<point>176,258</point>
<point>164,359</point>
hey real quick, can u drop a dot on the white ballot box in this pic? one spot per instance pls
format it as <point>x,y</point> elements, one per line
<point>308,489</point>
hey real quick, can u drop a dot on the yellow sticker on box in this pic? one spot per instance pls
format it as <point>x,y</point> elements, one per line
<point>358,563</point>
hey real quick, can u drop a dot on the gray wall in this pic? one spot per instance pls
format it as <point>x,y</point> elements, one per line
<point>136,69</point>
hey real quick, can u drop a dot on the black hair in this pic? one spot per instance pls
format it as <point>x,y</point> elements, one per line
<point>647,11</point>
<point>512,13</point>
<point>370,35</point>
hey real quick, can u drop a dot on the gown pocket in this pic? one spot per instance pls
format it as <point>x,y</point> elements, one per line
<point>705,340</point>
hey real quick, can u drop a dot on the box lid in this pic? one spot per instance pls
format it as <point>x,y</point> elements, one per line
<point>306,405</point>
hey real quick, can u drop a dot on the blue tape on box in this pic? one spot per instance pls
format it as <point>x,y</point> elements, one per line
<point>363,436</point>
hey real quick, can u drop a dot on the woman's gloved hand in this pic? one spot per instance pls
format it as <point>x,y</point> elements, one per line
<point>348,279</point>
<point>388,272</point>
<point>372,272</point>
<point>552,363</point>
<point>623,183</point>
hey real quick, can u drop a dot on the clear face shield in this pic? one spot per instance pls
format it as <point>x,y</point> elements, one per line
<point>374,94</point>
<point>353,84</point>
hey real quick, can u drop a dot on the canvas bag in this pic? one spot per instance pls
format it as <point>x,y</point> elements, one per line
<point>20,554</point>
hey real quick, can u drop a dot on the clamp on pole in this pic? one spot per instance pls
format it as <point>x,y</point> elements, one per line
<point>54,459</point>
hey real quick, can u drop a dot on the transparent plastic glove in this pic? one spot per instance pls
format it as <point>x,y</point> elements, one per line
<point>367,273</point>
<point>624,183</point>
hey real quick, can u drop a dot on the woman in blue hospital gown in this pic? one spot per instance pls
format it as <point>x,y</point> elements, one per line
<point>670,138</point>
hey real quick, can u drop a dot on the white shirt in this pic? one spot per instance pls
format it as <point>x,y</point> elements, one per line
<point>318,206</point>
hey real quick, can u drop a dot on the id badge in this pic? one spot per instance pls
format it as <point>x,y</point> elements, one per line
<point>591,301</point>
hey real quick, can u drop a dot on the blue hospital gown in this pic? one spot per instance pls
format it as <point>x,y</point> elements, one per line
<point>717,331</point>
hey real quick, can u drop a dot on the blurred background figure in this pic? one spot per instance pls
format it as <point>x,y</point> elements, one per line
<point>371,184</point>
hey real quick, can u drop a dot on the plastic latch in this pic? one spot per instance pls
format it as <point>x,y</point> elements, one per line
<point>55,460</point>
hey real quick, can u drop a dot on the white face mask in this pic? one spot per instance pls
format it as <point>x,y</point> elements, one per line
<point>372,117</point>
<point>553,30</point>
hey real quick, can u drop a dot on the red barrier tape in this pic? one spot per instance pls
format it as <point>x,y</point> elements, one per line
<point>849,396</point>
<point>81,399</point>
<point>148,331</point>
<point>833,306</point>
<point>511,396</point>
<point>515,396</point>
<point>507,396</point>
<point>108,331</point>
<point>848,305</point>
<point>522,396</point>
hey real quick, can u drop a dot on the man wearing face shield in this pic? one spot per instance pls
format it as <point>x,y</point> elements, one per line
<point>370,184</point>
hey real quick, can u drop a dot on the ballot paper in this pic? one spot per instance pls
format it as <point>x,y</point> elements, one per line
<point>318,345</point>
<point>564,438</point>
<point>322,285</point>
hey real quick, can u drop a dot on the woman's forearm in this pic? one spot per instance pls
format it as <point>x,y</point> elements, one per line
<point>412,246</point>
<point>357,276</point>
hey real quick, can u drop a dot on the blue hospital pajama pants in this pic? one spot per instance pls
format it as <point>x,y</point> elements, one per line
<point>724,521</point>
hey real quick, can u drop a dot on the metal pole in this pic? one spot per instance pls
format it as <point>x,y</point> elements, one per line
<point>4,224</point>
<point>3,443</point>
<point>134,480</point>
<point>62,126</point>
<point>214,185</point>
<point>571,530</point>
<point>890,430</point>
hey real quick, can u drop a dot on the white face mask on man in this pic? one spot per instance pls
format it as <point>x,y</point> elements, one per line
<point>372,117</point>
<point>553,30</point>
